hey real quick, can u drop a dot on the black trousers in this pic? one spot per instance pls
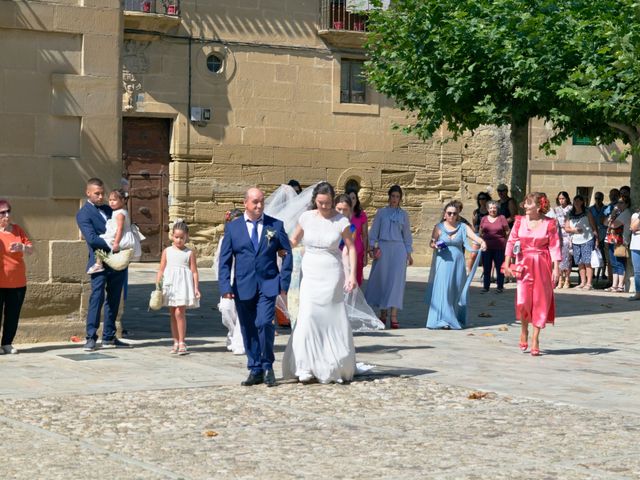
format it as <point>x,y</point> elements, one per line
<point>11,300</point>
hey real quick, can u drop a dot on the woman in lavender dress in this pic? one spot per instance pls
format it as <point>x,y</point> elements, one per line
<point>390,245</point>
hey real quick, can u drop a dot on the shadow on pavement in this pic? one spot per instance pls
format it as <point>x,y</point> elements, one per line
<point>579,351</point>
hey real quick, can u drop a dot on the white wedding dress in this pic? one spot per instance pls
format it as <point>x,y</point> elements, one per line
<point>321,343</point>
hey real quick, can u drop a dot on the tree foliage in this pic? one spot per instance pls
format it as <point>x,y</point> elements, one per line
<point>472,62</point>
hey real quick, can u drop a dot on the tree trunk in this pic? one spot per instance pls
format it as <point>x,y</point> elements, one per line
<point>519,165</point>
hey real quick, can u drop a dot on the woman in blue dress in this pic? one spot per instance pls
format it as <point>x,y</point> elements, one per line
<point>390,246</point>
<point>448,281</point>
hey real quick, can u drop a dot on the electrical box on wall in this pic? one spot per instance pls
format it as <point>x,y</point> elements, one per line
<point>200,114</point>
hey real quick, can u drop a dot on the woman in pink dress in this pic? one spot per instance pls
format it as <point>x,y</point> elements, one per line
<point>535,243</point>
<point>361,238</point>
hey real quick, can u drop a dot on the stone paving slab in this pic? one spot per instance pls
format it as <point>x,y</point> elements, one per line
<point>398,427</point>
<point>143,413</point>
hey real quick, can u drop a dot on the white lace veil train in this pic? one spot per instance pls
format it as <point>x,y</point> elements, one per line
<point>286,206</point>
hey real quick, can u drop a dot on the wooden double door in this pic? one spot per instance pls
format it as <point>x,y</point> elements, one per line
<point>145,156</point>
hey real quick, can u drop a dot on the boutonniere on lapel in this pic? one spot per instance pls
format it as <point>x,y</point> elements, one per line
<point>270,233</point>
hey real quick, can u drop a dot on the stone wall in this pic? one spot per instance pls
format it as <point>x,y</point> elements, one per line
<point>573,167</point>
<point>59,125</point>
<point>276,115</point>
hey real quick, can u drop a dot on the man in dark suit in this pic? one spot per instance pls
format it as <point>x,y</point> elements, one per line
<point>92,220</point>
<point>254,241</point>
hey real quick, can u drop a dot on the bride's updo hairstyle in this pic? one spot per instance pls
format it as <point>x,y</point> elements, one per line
<point>323,188</point>
<point>541,201</point>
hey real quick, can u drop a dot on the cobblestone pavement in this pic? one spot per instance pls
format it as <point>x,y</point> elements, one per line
<point>143,414</point>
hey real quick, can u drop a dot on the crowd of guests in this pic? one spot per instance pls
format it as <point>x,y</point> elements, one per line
<point>538,250</point>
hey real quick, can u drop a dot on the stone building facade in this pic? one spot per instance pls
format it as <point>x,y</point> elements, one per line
<point>59,125</point>
<point>196,101</point>
<point>271,75</point>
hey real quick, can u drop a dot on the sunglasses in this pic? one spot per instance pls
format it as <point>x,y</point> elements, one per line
<point>5,212</point>
<point>450,213</point>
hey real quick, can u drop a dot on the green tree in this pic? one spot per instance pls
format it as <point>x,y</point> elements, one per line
<point>601,96</point>
<point>467,63</point>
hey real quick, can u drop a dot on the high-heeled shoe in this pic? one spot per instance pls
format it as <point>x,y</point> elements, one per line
<point>535,352</point>
<point>394,322</point>
<point>523,347</point>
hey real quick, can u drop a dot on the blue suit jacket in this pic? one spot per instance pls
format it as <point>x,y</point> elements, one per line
<point>254,271</point>
<point>92,224</point>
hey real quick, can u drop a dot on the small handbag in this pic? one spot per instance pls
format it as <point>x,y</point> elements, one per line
<point>155,301</point>
<point>517,269</point>
<point>621,251</point>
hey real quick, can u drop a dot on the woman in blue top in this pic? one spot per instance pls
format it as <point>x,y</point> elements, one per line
<point>448,281</point>
<point>390,245</point>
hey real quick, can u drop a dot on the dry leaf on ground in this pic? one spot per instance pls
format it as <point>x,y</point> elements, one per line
<point>477,395</point>
<point>210,433</point>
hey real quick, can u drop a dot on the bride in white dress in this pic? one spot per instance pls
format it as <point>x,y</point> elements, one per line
<point>321,344</point>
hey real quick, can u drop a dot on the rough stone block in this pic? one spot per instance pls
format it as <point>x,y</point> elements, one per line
<point>295,156</point>
<point>44,299</point>
<point>37,263</point>
<point>34,16</point>
<point>68,261</point>
<point>17,134</point>
<point>23,181</point>
<point>101,53</point>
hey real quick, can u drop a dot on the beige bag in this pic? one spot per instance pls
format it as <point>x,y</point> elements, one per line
<point>155,301</point>
<point>620,251</point>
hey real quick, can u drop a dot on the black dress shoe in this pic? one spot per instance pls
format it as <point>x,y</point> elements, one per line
<point>270,378</point>
<point>253,379</point>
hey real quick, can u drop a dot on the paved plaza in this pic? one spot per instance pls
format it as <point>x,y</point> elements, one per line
<point>438,404</point>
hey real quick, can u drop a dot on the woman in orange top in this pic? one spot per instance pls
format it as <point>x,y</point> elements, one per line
<point>14,243</point>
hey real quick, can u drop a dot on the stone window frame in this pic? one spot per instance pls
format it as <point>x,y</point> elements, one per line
<point>372,107</point>
<point>228,62</point>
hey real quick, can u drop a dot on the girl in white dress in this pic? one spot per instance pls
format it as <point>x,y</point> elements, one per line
<point>119,234</point>
<point>178,276</point>
<point>321,344</point>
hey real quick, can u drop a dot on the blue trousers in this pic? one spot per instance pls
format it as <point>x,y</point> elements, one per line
<point>495,257</point>
<point>258,331</point>
<point>110,282</point>
<point>635,258</point>
<point>617,263</point>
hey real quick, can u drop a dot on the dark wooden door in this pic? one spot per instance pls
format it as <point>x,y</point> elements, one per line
<point>145,155</point>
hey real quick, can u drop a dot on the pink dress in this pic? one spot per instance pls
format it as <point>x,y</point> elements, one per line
<point>538,248</point>
<point>359,223</point>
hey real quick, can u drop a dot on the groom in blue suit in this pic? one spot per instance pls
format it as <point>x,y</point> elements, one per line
<point>254,241</point>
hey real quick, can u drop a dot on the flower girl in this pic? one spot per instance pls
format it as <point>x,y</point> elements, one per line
<point>119,234</point>
<point>178,276</point>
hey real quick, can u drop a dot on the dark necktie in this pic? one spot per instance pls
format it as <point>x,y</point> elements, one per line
<point>254,234</point>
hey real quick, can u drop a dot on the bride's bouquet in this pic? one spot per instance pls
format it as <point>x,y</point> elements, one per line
<point>117,261</point>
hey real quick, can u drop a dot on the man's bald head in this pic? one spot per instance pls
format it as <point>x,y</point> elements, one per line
<point>254,203</point>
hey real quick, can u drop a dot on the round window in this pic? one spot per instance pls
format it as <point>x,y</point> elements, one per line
<point>214,63</point>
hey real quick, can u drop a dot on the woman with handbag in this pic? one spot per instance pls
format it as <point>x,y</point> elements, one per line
<point>617,240</point>
<point>537,268</point>
<point>584,239</point>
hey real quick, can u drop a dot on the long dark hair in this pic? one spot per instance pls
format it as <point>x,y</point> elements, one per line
<point>565,195</point>
<point>343,198</point>
<point>357,208</point>
<point>323,188</point>
<point>573,212</point>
